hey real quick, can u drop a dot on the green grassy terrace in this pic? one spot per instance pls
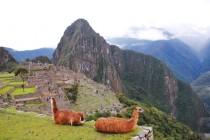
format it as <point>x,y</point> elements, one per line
<point>12,84</point>
<point>15,125</point>
<point>19,91</point>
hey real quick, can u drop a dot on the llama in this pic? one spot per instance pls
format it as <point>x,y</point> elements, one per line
<point>118,125</point>
<point>65,116</point>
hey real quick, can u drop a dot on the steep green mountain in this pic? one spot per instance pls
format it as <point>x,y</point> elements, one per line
<point>30,54</point>
<point>178,56</point>
<point>205,53</point>
<point>202,87</point>
<point>7,62</point>
<point>139,76</point>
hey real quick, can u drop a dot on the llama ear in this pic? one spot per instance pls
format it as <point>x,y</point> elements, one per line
<point>137,108</point>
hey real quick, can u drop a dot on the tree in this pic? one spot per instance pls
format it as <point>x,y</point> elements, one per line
<point>22,72</point>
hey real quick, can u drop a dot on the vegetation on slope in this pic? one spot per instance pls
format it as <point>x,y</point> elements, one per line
<point>145,82</point>
<point>72,92</point>
<point>165,127</point>
<point>40,59</point>
<point>188,105</point>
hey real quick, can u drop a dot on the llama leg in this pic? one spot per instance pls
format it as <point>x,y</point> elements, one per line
<point>71,122</point>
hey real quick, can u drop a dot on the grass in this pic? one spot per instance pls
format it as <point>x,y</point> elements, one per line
<point>88,100</point>
<point>16,83</point>
<point>19,91</point>
<point>5,89</point>
<point>3,75</point>
<point>23,126</point>
<point>9,78</point>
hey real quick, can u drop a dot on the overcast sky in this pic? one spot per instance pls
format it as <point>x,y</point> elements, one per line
<point>29,24</point>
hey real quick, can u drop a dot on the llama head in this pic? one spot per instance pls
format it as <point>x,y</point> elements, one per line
<point>52,99</point>
<point>139,109</point>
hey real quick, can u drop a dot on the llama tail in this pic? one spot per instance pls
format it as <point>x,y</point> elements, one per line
<point>82,117</point>
<point>82,122</point>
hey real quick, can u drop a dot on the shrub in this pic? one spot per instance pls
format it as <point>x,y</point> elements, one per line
<point>97,115</point>
<point>72,92</point>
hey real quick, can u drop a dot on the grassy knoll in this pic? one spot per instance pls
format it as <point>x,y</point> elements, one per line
<point>88,100</point>
<point>23,126</point>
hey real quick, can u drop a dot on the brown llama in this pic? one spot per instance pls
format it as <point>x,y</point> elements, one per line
<point>66,116</point>
<point>118,125</point>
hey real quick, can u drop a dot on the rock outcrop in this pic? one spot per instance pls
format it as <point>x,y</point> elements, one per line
<point>83,50</point>
<point>6,60</point>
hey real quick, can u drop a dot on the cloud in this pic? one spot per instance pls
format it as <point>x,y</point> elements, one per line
<point>148,33</point>
<point>40,23</point>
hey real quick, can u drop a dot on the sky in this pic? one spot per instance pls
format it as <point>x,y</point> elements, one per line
<point>30,24</point>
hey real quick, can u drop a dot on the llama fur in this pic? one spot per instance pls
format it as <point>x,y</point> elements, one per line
<point>118,125</point>
<point>66,116</point>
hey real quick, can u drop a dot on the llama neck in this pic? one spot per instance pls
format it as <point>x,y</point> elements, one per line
<point>53,106</point>
<point>135,117</point>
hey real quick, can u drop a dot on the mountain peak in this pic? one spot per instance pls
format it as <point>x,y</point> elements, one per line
<point>79,26</point>
<point>81,21</point>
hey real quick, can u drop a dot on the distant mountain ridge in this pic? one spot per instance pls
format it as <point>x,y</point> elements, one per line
<point>140,77</point>
<point>23,55</point>
<point>178,56</point>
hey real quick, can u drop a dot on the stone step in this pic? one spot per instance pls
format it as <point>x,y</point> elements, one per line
<point>145,133</point>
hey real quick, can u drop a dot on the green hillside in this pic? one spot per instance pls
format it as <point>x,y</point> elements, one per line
<point>165,127</point>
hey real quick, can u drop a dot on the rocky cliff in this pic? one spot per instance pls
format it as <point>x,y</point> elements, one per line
<point>6,60</point>
<point>139,76</point>
<point>177,55</point>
